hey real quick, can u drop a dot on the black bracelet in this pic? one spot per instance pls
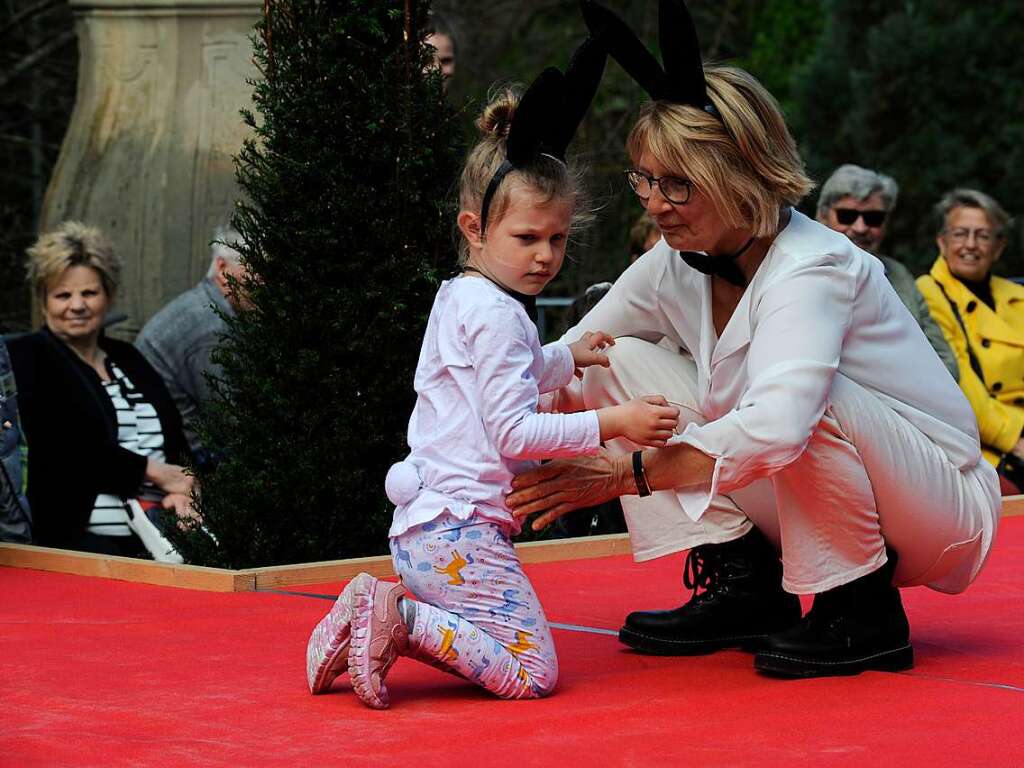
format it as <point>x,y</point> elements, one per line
<point>639,476</point>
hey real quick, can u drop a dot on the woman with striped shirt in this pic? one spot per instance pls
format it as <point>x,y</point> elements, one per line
<point>101,427</point>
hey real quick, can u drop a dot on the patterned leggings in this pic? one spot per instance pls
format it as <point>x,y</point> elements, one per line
<point>477,615</point>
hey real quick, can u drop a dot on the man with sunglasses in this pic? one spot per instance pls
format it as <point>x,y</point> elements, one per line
<point>857,202</point>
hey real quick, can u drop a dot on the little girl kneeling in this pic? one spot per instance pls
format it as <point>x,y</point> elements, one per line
<point>474,427</point>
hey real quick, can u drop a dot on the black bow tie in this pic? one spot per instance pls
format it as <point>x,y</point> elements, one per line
<point>529,302</point>
<point>723,266</point>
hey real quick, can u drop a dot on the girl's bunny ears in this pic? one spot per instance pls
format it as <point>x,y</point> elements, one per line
<point>681,80</point>
<point>548,115</point>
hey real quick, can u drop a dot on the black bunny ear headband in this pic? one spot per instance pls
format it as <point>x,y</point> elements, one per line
<point>681,80</point>
<point>548,115</point>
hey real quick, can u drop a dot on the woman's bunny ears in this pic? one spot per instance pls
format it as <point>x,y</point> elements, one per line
<point>548,115</point>
<point>681,80</point>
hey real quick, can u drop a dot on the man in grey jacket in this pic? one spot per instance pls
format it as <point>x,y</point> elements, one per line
<point>15,519</point>
<point>858,202</point>
<point>178,341</point>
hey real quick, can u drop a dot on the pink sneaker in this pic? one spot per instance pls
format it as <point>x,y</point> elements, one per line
<point>327,650</point>
<point>379,636</point>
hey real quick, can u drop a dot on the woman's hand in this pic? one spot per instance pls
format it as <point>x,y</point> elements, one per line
<point>647,420</point>
<point>169,478</point>
<point>589,350</point>
<point>180,504</point>
<point>182,507</point>
<point>564,485</point>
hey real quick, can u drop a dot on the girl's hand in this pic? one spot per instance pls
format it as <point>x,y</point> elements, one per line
<point>588,350</point>
<point>647,420</point>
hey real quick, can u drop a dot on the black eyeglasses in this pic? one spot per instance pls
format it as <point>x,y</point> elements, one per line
<point>673,189</point>
<point>847,216</point>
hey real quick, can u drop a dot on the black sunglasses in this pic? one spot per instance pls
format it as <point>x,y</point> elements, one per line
<point>847,216</point>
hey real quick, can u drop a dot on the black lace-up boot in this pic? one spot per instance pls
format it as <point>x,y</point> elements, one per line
<point>742,602</point>
<point>852,628</point>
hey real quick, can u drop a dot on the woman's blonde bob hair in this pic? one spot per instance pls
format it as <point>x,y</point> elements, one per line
<point>72,244</point>
<point>746,163</point>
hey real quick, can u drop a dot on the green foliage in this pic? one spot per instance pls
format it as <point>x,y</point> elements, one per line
<point>347,235</point>
<point>786,35</point>
<point>927,92</point>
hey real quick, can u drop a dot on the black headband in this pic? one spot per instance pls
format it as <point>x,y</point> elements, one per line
<point>548,115</point>
<point>681,80</point>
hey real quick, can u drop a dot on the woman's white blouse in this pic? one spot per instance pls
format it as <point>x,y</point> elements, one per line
<point>817,305</point>
<point>475,424</point>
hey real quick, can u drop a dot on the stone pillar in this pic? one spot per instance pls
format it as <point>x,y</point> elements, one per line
<point>148,153</point>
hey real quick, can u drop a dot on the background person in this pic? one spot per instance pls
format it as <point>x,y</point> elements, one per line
<point>982,316</point>
<point>100,423</point>
<point>643,236</point>
<point>586,301</point>
<point>179,340</point>
<point>442,39</point>
<point>858,202</point>
<point>15,520</point>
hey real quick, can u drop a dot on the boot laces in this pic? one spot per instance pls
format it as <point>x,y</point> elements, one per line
<point>700,571</point>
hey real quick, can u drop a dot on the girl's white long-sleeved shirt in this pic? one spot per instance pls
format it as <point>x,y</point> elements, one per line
<point>475,425</point>
<point>817,305</point>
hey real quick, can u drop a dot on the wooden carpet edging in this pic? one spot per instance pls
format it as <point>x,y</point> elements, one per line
<point>272,577</point>
<point>280,576</point>
<point>126,569</point>
<point>1013,505</point>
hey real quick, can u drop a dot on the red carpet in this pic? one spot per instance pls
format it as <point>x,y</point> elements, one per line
<point>97,672</point>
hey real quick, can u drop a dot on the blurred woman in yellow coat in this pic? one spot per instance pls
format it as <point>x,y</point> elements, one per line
<point>982,317</point>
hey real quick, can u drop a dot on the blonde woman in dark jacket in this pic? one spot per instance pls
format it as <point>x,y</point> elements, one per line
<point>100,423</point>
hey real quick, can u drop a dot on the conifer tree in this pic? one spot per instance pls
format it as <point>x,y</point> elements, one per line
<point>347,235</point>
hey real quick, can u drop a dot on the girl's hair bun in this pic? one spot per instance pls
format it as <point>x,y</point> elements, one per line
<point>497,115</point>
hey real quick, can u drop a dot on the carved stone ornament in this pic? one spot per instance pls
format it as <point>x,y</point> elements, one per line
<point>148,153</point>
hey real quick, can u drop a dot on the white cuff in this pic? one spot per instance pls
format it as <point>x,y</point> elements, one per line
<point>695,499</point>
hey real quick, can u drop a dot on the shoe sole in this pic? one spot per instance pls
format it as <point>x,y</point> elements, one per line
<point>781,665</point>
<point>660,646</point>
<point>360,664</point>
<point>328,647</point>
